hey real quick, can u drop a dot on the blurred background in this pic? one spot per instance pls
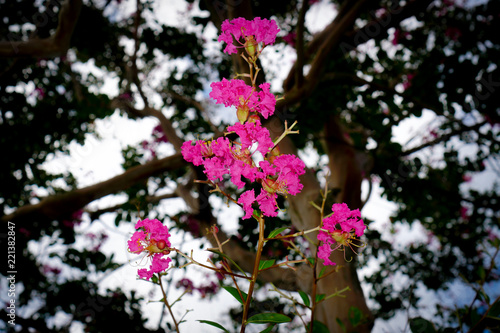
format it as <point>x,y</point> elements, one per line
<point>397,104</point>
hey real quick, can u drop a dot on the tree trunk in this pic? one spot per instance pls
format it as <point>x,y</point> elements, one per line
<point>346,176</point>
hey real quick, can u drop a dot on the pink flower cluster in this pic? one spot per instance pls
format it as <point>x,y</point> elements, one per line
<point>277,173</point>
<point>237,93</point>
<point>205,290</point>
<point>253,32</point>
<point>151,237</point>
<point>350,224</point>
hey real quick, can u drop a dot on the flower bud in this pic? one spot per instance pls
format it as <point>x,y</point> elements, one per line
<point>161,244</point>
<point>253,118</point>
<point>242,113</point>
<point>273,154</point>
<point>251,46</point>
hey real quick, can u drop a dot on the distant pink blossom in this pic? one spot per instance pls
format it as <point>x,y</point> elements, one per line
<point>398,34</point>
<point>76,219</point>
<point>50,269</point>
<point>40,93</point>
<point>467,178</point>
<point>291,38</point>
<point>453,33</point>
<point>408,82</point>
<point>464,213</point>
<point>158,134</point>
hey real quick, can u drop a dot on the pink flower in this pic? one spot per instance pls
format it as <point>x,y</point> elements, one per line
<point>187,284</point>
<point>232,92</point>
<point>278,174</point>
<point>398,35</point>
<point>159,134</point>
<point>407,84</point>
<point>240,168</point>
<point>464,213</point>
<point>251,133</point>
<point>152,237</point>
<point>267,203</point>
<point>208,289</point>
<point>324,252</point>
<point>246,199</point>
<point>240,95</point>
<point>453,33</point>
<point>267,101</point>
<point>256,31</point>
<point>467,178</point>
<point>350,224</point>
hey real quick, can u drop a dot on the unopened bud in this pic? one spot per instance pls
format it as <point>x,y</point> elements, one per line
<point>273,154</point>
<point>242,113</point>
<point>161,244</point>
<point>251,46</point>
<point>253,118</point>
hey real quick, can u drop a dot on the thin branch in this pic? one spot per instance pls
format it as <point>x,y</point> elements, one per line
<point>299,74</point>
<point>392,17</point>
<point>444,137</point>
<point>197,105</point>
<point>331,36</point>
<point>149,199</point>
<point>53,46</point>
<point>61,205</point>
<point>166,124</point>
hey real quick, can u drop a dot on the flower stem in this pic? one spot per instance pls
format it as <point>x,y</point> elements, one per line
<point>260,246</point>
<point>168,306</point>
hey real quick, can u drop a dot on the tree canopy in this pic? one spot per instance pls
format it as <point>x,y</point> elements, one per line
<point>70,67</point>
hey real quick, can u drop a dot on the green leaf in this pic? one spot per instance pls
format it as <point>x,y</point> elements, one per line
<point>484,297</point>
<point>212,323</point>
<point>311,260</point>
<point>154,279</point>
<point>276,232</point>
<point>355,316</point>
<point>231,260</point>
<point>495,310</point>
<point>341,324</point>
<point>305,298</point>
<point>481,273</point>
<point>268,329</point>
<point>474,317</point>
<point>319,327</point>
<point>421,325</point>
<point>233,291</point>
<point>264,318</point>
<point>322,271</point>
<point>319,297</point>
<point>263,264</point>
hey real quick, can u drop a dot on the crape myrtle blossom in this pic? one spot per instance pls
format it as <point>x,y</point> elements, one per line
<point>277,173</point>
<point>252,32</point>
<point>151,237</point>
<point>244,97</point>
<point>220,157</point>
<point>350,224</point>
